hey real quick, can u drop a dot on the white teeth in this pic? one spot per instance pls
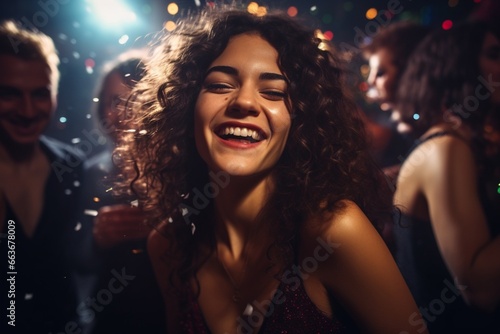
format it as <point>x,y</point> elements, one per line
<point>240,132</point>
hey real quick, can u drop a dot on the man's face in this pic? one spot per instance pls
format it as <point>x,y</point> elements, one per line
<point>27,100</point>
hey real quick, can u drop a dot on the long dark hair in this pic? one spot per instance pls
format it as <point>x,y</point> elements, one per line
<point>442,74</point>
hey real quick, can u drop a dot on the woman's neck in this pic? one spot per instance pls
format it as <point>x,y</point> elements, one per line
<point>239,212</point>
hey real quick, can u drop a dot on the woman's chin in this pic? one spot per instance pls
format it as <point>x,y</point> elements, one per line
<point>404,128</point>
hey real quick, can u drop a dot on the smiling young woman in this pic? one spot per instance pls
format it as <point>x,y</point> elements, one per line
<point>254,167</point>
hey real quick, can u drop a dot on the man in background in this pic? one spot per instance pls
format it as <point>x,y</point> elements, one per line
<point>39,190</point>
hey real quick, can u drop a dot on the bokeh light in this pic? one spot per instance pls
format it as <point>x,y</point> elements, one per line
<point>170,25</point>
<point>123,39</point>
<point>371,13</point>
<point>452,3</point>
<point>363,86</point>
<point>292,11</point>
<point>328,35</point>
<point>447,24</point>
<point>261,11</point>
<point>253,7</point>
<point>364,70</point>
<point>172,8</point>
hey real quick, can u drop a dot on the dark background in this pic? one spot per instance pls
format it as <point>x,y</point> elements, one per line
<point>83,38</point>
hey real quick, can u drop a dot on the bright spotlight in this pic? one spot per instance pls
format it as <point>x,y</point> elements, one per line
<point>111,13</point>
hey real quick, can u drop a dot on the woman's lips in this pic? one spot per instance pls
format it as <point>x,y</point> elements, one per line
<point>245,133</point>
<point>239,133</point>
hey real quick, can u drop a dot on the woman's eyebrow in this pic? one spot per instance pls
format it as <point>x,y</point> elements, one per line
<point>233,71</point>
<point>224,69</point>
<point>271,76</point>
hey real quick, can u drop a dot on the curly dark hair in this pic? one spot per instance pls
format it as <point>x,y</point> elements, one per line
<point>443,74</point>
<point>326,157</point>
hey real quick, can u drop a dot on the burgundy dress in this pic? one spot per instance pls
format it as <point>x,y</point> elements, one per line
<point>291,311</point>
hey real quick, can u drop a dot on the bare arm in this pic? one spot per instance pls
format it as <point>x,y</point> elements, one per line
<point>459,222</point>
<point>364,277</point>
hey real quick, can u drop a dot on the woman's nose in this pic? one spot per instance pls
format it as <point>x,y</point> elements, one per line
<point>245,101</point>
<point>371,77</point>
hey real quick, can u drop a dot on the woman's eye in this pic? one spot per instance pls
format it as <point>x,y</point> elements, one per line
<point>380,73</point>
<point>217,87</point>
<point>274,94</point>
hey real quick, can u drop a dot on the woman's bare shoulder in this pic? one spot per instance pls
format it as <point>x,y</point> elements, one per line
<point>347,230</point>
<point>360,268</point>
<point>346,219</point>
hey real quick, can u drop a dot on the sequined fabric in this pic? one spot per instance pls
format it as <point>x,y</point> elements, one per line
<point>291,312</point>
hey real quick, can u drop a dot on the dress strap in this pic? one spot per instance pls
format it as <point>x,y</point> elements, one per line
<point>418,142</point>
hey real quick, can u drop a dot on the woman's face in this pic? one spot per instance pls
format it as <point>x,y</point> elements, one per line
<point>489,65</point>
<point>115,96</point>
<point>241,119</point>
<point>382,78</point>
